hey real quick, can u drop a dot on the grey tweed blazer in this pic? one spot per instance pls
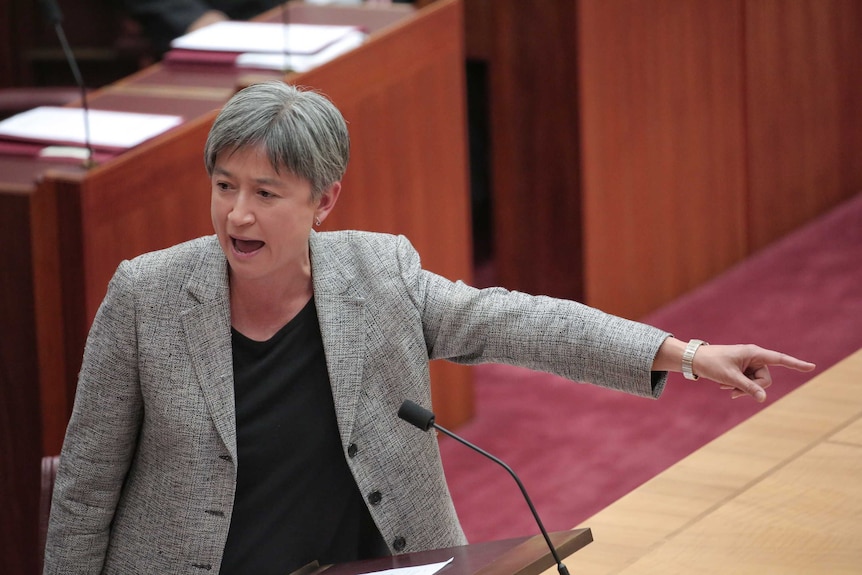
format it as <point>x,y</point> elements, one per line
<point>148,468</point>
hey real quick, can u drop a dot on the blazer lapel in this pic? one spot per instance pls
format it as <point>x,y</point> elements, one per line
<point>341,313</point>
<point>207,328</point>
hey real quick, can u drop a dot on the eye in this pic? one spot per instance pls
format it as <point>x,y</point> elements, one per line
<point>222,185</point>
<point>265,194</point>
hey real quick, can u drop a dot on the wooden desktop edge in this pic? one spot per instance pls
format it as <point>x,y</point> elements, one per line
<point>522,556</point>
<point>533,556</point>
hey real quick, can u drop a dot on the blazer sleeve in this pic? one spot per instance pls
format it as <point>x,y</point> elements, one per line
<point>468,325</point>
<point>100,438</point>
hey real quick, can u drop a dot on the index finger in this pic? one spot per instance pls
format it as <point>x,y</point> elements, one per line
<point>770,357</point>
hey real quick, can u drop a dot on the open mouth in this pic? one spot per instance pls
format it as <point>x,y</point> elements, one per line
<point>246,246</point>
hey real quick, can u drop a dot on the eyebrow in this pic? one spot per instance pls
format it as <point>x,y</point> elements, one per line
<point>263,181</point>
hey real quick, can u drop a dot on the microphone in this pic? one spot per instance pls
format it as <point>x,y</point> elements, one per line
<point>422,418</point>
<point>55,18</point>
<point>285,42</point>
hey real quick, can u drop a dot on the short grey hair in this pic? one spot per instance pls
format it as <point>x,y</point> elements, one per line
<point>301,131</point>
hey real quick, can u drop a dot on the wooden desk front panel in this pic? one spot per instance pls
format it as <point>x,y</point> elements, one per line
<point>709,130</point>
<point>640,148</point>
<point>663,149</point>
<point>20,437</point>
<point>530,50</point>
<point>804,111</point>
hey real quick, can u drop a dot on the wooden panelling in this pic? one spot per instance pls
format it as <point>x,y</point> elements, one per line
<point>49,318</point>
<point>804,110</point>
<point>9,64</point>
<point>663,151</point>
<point>534,141</point>
<point>639,148</point>
<point>106,44</point>
<point>20,453</point>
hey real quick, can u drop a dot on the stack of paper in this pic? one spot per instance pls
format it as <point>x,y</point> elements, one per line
<point>272,46</point>
<point>46,130</point>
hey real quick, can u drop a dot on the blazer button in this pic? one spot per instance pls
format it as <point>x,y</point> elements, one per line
<point>399,544</point>
<point>375,497</point>
<point>352,450</point>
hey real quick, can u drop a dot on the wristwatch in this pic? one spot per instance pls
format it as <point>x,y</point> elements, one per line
<point>688,358</point>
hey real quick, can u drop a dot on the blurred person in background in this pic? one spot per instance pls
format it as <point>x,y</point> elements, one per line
<point>164,20</point>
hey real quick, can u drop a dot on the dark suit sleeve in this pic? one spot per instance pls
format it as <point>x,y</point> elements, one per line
<point>164,20</point>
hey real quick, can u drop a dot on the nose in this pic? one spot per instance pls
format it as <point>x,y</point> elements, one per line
<point>241,212</point>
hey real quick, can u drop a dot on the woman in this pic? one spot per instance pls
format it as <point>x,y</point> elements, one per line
<point>236,408</point>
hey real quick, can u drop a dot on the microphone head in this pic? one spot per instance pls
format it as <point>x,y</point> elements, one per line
<point>52,11</point>
<point>417,415</point>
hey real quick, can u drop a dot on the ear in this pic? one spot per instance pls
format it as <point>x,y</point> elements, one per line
<point>327,201</point>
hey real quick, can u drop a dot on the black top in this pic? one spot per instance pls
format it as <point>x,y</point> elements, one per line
<point>296,500</point>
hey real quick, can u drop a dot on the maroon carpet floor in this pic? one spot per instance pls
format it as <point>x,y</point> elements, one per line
<point>577,448</point>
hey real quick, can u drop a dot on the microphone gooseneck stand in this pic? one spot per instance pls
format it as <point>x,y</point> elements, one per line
<point>423,419</point>
<point>55,18</point>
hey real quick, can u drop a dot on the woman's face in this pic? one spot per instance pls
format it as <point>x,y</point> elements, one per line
<point>263,218</point>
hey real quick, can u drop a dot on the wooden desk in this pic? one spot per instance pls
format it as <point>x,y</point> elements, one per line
<point>779,493</point>
<point>402,93</point>
<point>520,556</point>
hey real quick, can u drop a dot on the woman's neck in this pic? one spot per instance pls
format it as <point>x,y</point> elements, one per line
<point>259,308</point>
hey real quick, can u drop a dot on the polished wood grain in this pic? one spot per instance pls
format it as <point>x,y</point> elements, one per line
<point>20,441</point>
<point>638,149</point>
<point>663,148</point>
<point>534,555</point>
<point>518,556</point>
<point>803,88</point>
<point>779,493</point>
<point>530,50</point>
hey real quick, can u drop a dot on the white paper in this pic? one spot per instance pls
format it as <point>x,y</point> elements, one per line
<point>301,62</point>
<point>269,37</point>
<point>112,130</point>
<point>429,569</point>
<point>64,152</point>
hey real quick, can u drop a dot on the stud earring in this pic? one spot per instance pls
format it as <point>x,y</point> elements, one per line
<point>317,222</point>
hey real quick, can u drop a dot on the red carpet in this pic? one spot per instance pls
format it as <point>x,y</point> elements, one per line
<point>578,448</point>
